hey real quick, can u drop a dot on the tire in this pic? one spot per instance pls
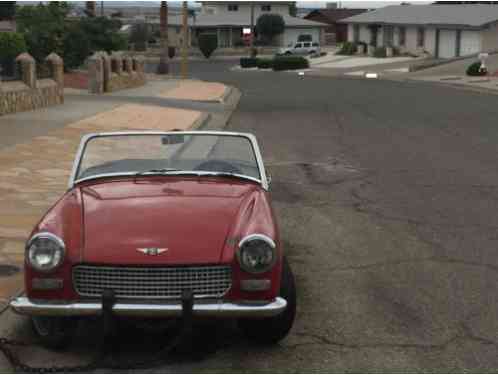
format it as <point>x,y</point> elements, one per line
<point>54,332</point>
<point>272,330</point>
<point>288,53</point>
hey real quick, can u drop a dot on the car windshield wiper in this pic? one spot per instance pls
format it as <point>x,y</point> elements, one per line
<point>157,171</point>
<point>229,174</point>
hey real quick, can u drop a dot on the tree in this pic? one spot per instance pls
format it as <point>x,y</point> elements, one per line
<point>208,44</point>
<point>293,9</point>
<point>44,27</point>
<point>90,8</point>
<point>46,30</point>
<point>11,45</point>
<point>163,67</point>
<point>270,25</point>
<point>7,10</point>
<point>140,36</point>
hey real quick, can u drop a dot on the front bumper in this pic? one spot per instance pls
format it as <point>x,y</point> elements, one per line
<point>23,305</point>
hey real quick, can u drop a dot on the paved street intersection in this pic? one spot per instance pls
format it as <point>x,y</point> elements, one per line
<point>386,193</point>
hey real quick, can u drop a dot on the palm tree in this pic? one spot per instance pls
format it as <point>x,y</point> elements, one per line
<point>163,67</point>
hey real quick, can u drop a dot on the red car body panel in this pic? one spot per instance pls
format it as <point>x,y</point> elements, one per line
<point>199,220</point>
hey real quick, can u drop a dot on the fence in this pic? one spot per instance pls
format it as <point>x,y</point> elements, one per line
<point>107,73</point>
<point>25,90</point>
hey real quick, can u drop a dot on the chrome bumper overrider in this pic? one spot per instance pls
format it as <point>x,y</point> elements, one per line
<point>23,305</point>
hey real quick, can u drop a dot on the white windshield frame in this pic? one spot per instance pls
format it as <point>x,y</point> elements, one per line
<point>263,180</point>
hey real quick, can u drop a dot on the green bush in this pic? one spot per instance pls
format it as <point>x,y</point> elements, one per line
<point>290,63</point>
<point>380,52</point>
<point>11,45</point>
<point>347,48</point>
<point>208,44</point>
<point>248,62</point>
<point>264,63</point>
<point>474,69</point>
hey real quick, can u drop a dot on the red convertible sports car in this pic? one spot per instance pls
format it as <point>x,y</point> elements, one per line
<point>159,225</point>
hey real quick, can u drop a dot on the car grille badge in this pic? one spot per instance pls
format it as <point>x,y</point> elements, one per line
<point>152,250</point>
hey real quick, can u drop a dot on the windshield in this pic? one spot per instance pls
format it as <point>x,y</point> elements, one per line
<point>168,153</point>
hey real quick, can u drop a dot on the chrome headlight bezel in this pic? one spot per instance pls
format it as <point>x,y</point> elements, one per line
<point>56,260</point>
<point>271,246</point>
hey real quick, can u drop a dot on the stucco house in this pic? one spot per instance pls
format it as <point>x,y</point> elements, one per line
<point>442,30</point>
<point>335,32</point>
<point>228,19</point>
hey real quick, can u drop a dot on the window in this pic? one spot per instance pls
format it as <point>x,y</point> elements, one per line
<point>307,45</point>
<point>313,44</point>
<point>233,8</point>
<point>266,8</point>
<point>298,45</point>
<point>420,37</point>
<point>388,36</point>
<point>356,33</point>
<point>402,36</point>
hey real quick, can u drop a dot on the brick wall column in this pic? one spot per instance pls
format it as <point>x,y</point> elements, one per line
<point>128,64</point>
<point>117,60</point>
<point>28,69</point>
<point>57,65</point>
<point>95,74</point>
<point>106,64</point>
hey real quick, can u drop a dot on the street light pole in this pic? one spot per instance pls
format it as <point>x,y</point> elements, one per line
<point>184,68</point>
<point>252,27</point>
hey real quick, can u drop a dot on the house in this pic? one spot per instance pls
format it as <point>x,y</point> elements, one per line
<point>443,31</point>
<point>228,19</point>
<point>335,32</point>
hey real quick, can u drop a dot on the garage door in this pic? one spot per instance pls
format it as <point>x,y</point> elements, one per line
<point>447,43</point>
<point>471,43</point>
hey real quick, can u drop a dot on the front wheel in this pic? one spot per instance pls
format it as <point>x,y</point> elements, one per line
<point>272,330</point>
<point>54,332</point>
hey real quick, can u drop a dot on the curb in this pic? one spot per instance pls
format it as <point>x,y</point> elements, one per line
<point>200,122</point>
<point>449,84</point>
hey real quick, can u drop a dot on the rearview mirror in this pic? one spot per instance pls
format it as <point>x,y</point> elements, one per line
<point>173,139</point>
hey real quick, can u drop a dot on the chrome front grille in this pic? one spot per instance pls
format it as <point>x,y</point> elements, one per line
<point>150,282</point>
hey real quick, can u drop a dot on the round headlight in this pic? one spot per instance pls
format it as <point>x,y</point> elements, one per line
<point>257,253</point>
<point>45,252</point>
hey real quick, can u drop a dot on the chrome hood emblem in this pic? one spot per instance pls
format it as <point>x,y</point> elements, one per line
<point>152,250</point>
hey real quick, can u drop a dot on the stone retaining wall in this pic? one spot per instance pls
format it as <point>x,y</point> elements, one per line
<point>108,73</point>
<point>31,93</point>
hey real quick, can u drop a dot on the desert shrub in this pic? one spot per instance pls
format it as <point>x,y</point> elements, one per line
<point>290,63</point>
<point>474,69</point>
<point>380,52</point>
<point>248,62</point>
<point>347,48</point>
<point>208,44</point>
<point>264,63</point>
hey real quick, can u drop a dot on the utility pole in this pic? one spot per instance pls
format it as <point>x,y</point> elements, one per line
<point>251,42</point>
<point>163,67</point>
<point>101,9</point>
<point>184,68</point>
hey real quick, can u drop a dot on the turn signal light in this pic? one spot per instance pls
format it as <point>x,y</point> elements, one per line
<point>46,284</point>
<point>255,285</point>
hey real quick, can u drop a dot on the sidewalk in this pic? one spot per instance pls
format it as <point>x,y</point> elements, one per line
<point>38,148</point>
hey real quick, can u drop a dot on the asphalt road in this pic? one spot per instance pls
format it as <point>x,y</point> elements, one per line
<point>387,197</point>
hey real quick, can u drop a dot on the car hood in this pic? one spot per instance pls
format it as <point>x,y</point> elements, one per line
<point>189,219</point>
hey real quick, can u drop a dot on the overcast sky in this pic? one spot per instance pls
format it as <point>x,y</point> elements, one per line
<point>356,4</point>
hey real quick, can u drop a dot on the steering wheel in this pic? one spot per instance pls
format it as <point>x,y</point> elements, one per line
<point>217,166</point>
